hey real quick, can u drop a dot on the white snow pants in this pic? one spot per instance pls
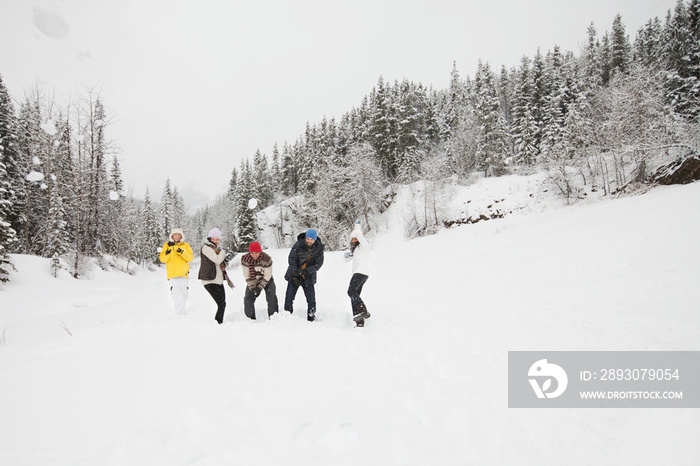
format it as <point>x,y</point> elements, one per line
<point>179,289</point>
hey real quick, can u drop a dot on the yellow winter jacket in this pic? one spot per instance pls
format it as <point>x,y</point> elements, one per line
<point>177,264</point>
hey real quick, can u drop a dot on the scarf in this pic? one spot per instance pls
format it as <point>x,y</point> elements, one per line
<point>251,265</point>
<point>216,249</point>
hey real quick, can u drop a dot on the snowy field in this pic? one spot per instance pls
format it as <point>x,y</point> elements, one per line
<point>100,372</point>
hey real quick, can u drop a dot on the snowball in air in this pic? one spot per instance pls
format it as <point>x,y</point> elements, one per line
<point>113,196</point>
<point>252,203</point>
<point>35,176</point>
<point>49,128</point>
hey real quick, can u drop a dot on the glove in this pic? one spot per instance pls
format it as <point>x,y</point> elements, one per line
<point>256,292</point>
<point>179,250</point>
<point>347,255</point>
<point>171,243</point>
<point>168,251</point>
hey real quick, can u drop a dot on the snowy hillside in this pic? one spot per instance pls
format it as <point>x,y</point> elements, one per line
<point>424,208</point>
<point>101,372</point>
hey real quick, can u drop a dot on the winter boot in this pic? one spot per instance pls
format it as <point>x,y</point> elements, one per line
<point>311,315</point>
<point>360,312</point>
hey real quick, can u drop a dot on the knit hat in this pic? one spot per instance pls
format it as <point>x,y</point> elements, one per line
<point>311,233</point>
<point>214,233</point>
<point>254,247</point>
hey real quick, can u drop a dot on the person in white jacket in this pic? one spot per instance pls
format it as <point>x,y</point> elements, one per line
<point>359,255</point>
<point>211,273</point>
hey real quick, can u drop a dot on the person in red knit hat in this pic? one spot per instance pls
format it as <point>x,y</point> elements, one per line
<point>257,271</point>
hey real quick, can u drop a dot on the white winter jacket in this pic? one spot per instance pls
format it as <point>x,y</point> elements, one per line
<point>360,257</point>
<point>217,259</point>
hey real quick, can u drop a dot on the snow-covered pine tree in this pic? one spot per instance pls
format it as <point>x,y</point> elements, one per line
<point>693,82</point>
<point>7,234</point>
<point>305,162</point>
<point>591,60</point>
<point>63,169</point>
<point>555,106</point>
<point>32,149</point>
<point>345,132</point>
<point>275,173</point>
<point>245,190</point>
<point>538,101</point>
<point>454,106</point>
<point>131,247</point>
<point>166,209</point>
<point>452,126</point>
<point>8,156</point>
<point>233,181</point>
<point>605,57</point>
<point>620,48</point>
<point>201,225</point>
<point>290,175</point>
<point>682,52</point>
<point>383,128</point>
<point>505,94</point>
<point>493,139</point>
<point>55,234</point>
<point>524,129</point>
<point>150,233</point>
<point>649,44</point>
<point>115,222</point>
<point>178,211</point>
<point>262,179</point>
<point>412,125</point>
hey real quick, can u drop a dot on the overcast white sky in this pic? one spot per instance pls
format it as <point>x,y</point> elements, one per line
<point>195,86</point>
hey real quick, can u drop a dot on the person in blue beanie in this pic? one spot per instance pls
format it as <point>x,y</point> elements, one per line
<point>305,259</point>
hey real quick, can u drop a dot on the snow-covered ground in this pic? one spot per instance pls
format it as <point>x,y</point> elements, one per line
<point>100,372</point>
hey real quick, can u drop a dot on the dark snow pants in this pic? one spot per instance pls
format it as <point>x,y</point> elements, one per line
<point>309,292</point>
<point>219,294</point>
<point>356,283</point>
<point>270,296</point>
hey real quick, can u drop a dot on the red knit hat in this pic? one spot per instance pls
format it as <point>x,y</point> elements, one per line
<point>254,247</point>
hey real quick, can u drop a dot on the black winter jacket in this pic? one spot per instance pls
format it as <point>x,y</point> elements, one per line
<point>302,254</point>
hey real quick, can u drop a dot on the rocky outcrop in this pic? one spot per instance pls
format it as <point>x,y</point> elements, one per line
<point>681,171</point>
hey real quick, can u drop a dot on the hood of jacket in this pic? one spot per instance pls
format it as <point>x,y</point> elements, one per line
<point>175,231</point>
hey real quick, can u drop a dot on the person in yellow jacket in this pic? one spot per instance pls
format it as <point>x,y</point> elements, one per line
<point>177,255</point>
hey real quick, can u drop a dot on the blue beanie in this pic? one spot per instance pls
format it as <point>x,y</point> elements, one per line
<point>311,233</point>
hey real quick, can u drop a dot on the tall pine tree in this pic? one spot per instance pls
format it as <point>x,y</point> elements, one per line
<point>8,156</point>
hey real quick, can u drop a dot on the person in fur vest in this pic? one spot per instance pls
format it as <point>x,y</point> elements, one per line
<point>257,272</point>
<point>359,255</point>
<point>211,274</point>
<point>177,255</point>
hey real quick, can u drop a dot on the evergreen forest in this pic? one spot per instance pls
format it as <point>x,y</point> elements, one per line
<point>605,114</point>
